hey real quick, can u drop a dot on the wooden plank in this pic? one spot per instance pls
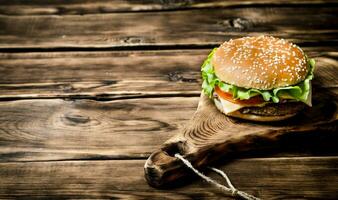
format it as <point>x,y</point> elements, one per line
<point>105,74</point>
<point>62,7</point>
<point>274,178</point>
<point>66,130</point>
<point>84,129</point>
<point>55,129</point>
<point>113,75</point>
<point>190,27</point>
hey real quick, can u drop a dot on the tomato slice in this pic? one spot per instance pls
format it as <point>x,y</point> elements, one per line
<point>228,96</point>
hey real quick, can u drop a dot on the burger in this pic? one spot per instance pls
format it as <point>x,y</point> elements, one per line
<point>259,78</point>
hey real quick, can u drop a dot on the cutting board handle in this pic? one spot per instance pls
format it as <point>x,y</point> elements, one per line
<point>162,167</point>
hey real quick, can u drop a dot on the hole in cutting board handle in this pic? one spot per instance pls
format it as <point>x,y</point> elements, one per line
<point>173,148</point>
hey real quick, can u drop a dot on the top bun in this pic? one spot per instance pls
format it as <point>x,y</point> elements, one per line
<point>262,62</point>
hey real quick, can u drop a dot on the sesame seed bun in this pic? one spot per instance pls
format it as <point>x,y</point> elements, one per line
<point>262,62</point>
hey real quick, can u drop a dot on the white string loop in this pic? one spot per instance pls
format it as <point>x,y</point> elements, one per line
<point>229,190</point>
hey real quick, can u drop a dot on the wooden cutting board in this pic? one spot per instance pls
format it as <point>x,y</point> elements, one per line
<point>210,136</point>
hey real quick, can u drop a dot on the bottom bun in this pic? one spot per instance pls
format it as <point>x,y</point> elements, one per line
<point>253,117</point>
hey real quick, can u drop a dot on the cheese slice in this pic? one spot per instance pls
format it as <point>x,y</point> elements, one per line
<point>229,107</point>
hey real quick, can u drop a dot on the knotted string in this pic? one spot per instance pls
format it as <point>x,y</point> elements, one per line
<point>230,189</point>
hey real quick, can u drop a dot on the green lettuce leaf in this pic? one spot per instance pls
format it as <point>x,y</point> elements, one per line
<point>298,92</point>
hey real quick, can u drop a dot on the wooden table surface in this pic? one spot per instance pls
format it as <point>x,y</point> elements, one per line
<point>89,89</point>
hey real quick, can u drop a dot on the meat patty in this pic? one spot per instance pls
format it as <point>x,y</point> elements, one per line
<point>274,109</point>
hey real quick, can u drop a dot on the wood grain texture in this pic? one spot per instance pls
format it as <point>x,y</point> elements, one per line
<point>124,74</point>
<point>84,129</point>
<point>81,7</point>
<point>190,27</point>
<point>101,74</point>
<point>274,178</point>
<point>56,148</point>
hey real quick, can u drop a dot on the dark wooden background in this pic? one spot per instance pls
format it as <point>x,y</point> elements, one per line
<point>88,89</point>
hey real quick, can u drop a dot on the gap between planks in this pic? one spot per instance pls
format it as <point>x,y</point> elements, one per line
<point>103,7</point>
<point>141,47</point>
<point>145,158</point>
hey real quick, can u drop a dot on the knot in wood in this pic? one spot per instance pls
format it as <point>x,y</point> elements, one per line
<point>236,24</point>
<point>76,118</point>
<point>132,40</point>
<point>177,76</point>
